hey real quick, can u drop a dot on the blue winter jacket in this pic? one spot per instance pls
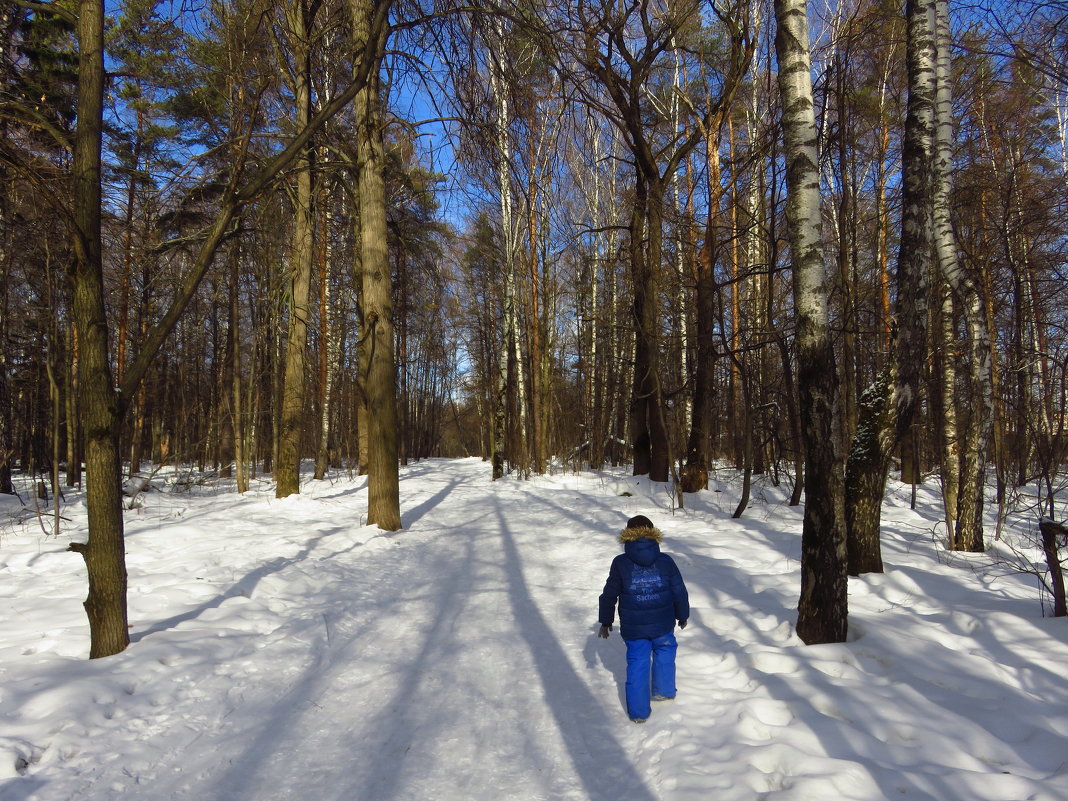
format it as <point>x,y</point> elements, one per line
<point>648,586</point>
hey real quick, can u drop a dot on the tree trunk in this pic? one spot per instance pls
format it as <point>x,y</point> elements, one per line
<point>104,552</point>
<point>383,508</point>
<point>698,458</point>
<point>1052,532</point>
<point>224,403</point>
<point>946,411</point>
<point>887,420</point>
<point>822,608</point>
<point>648,432</point>
<point>236,388</point>
<point>537,433</point>
<point>6,449</point>
<point>978,401</point>
<point>294,381</point>
<point>360,438</point>
<point>326,340</point>
<point>502,442</point>
<point>74,427</point>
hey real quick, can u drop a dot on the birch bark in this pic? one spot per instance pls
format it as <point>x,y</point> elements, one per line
<point>506,361</point>
<point>823,607</point>
<point>978,401</point>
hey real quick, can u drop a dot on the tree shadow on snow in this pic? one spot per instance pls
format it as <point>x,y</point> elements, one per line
<point>241,588</point>
<point>600,761</point>
<point>612,659</point>
<point>379,772</point>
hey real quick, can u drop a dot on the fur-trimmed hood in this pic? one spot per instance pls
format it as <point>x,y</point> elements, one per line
<point>641,544</point>
<point>645,532</point>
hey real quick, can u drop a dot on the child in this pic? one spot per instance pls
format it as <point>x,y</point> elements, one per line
<point>652,596</point>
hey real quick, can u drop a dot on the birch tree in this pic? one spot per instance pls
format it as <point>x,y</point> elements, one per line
<point>507,363</point>
<point>976,405</point>
<point>823,608</point>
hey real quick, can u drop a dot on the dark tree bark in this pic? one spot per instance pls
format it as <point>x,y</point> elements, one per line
<point>294,383</point>
<point>6,449</point>
<point>383,507</point>
<point>886,420</point>
<point>104,552</point>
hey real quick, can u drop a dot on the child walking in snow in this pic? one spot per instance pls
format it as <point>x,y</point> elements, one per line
<point>652,596</point>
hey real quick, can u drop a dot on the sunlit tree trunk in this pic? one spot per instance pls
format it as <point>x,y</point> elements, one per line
<point>694,476</point>
<point>237,394</point>
<point>224,405</point>
<point>945,363</point>
<point>104,552</point>
<point>383,506</point>
<point>535,338</point>
<point>327,341</point>
<point>502,443</point>
<point>822,608</point>
<point>294,381</point>
<point>978,401</point>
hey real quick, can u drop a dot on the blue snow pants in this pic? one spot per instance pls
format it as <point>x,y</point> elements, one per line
<point>659,652</point>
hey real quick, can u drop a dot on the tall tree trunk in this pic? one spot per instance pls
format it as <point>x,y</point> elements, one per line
<point>946,411</point>
<point>847,251</point>
<point>6,449</point>
<point>360,439</point>
<point>383,507</point>
<point>327,340</point>
<point>224,403</point>
<point>979,398</point>
<point>648,429</point>
<point>502,444</point>
<point>104,552</point>
<point>294,381</point>
<point>698,459</point>
<point>537,433</point>
<point>822,608</point>
<point>236,389</point>
<point>887,420</point>
<point>74,427</point>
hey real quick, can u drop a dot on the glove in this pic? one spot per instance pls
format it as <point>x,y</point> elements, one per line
<point>603,633</point>
<point>682,623</point>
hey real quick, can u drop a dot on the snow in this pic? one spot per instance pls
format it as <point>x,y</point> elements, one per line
<point>283,650</point>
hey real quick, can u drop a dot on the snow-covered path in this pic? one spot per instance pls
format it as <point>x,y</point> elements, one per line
<point>284,651</point>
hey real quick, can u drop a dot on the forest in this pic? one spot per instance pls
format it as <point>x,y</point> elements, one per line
<point>814,241</point>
